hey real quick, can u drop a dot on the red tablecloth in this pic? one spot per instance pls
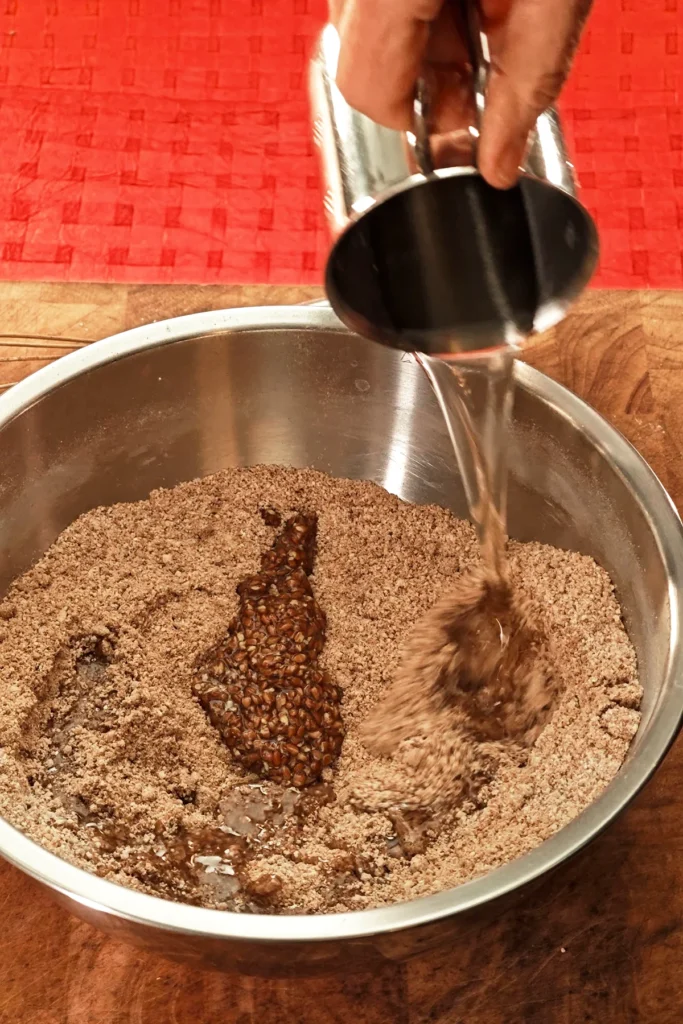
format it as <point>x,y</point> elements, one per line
<point>168,140</point>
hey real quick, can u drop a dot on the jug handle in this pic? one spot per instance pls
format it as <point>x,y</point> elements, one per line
<point>468,18</point>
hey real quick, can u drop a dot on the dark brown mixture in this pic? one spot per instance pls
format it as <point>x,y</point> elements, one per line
<point>109,758</point>
<point>262,686</point>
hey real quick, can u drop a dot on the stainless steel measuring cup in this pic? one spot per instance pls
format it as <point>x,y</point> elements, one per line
<point>435,259</point>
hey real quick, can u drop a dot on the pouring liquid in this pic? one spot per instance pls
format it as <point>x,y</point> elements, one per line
<point>475,397</point>
<point>476,669</point>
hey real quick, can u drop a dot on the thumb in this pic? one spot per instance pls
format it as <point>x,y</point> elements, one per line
<point>530,64</point>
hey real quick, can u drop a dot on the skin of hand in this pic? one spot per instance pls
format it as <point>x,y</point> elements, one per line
<point>385,45</point>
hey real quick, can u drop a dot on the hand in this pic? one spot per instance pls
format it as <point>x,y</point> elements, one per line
<point>387,44</point>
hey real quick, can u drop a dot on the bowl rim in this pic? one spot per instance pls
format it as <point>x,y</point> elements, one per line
<point>152,911</point>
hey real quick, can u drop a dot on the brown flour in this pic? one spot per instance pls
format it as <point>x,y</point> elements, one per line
<point>109,760</point>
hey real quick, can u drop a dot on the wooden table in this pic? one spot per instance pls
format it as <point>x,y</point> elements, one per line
<point>601,941</point>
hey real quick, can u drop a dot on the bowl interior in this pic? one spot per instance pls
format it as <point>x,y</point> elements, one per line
<point>186,398</point>
<point>326,399</point>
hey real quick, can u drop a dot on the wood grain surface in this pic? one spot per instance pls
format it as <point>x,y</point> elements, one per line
<point>600,941</point>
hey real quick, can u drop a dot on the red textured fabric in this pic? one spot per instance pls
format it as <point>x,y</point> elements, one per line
<point>169,140</point>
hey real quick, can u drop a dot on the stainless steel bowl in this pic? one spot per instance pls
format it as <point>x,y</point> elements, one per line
<point>187,397</point>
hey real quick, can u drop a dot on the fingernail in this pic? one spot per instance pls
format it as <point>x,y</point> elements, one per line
<point>505,168</point>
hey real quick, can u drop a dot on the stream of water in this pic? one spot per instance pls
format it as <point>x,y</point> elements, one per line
<point>476,396</point>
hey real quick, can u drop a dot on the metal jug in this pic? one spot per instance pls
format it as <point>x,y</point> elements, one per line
<point>434,259</point>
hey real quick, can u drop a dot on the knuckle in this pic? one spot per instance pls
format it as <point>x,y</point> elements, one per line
<point>545,90</point>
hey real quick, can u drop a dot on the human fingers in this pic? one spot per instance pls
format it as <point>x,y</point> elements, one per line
<point>531,54</point>
<point>385,45</point>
